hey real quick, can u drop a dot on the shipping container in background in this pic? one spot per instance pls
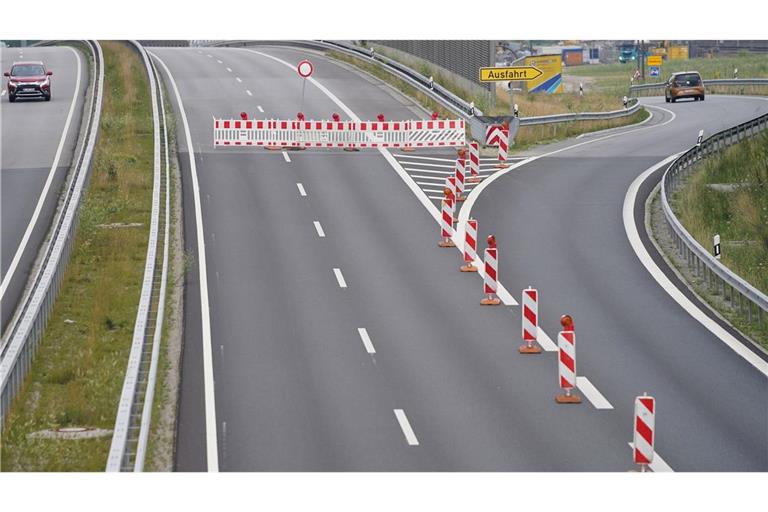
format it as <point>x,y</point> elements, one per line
<point>677,52</point>
<point>573,56</point>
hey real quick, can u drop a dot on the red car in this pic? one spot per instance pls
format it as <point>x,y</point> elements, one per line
<point>29,80</point>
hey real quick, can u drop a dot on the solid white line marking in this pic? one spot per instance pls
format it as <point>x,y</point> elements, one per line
<point>286,157</point>
<point>592,394</point>
<point>545,341</point>
<point>645,258</point>
<point>319,229</point>
<point>238,79</point>
<point>502,292</point>
<point>249,93</point>
<point>438,190</point>
<point>259,107</point>
<point>302,192</point>
<point>212,452</point>
<point>405,426</point>
<point>438,178</point>
<point>658,465</point>
<point>46,187</point>
<point>439,198</point>
<point>430,171</point>
<point>366,340</point>
<point>340,278</point>
<point>210,56</point>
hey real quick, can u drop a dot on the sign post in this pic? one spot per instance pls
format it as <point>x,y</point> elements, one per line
<point>305,69</point>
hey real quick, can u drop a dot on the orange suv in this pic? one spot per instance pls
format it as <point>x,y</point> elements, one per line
<point>685,84</point>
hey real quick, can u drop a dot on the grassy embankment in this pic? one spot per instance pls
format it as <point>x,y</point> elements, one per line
<point>529,105</point>
<point>739,214</point>
<point>77,375</point>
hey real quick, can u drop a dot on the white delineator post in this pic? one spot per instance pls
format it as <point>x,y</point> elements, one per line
<point>459,178</point>
<point>490,277</point>
<point>474,162</point>
<point>530,321</point>
<point>644,437</point>
<point>566,367</point>
<point>716,245</point>
<point>470,246</point>
<point>503,147</point>
<point>446,223</point>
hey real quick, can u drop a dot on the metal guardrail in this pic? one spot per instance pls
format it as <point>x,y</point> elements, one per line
<point>452,102</point>
<point>131,433</point>
<point>27,332</point>
<point>717,276</point>
<point>658,87</point>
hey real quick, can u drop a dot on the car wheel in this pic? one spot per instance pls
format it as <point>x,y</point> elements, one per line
<point>666,98</point>
<point>672,100</point>
<point>48,98</point>
<point>702,97</point>
<point>11,98</point>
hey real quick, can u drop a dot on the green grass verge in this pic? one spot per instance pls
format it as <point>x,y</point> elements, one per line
<point>78,371</point>
<point>739,216</point>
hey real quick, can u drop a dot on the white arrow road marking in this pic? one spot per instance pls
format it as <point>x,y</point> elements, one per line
<point>340,278</point>
<point>658,465</point>
<point>405,425</point>
<point>319,229</point>
<point>363,332</point>
<point>592,394</point>
<point>302,192</point>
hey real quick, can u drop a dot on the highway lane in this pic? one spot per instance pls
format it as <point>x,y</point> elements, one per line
<point>296,388</point>
<point>559,222</point>
<point>32,133</point>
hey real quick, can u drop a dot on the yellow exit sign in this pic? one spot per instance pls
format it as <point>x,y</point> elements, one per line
<point>654,60</point>
<point>509,73</point>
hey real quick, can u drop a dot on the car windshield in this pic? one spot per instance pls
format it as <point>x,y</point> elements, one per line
<point>28,70</point>
<point>689,79</point>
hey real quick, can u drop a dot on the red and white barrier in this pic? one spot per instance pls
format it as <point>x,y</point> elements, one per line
<point>470,246</point>
<point>530,321</point>
<point>338,134</point>
<point>566,368</point>
<point>503,147</point>
<point>460,178</point>
<point>490,277</point>
<point>645,423</point>
<point>474,162</point>
<point>446,223</point>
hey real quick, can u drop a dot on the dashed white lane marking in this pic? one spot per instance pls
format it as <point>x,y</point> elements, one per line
<point>366,340</point>
<point>302,192</point>
<point>260,109</point>
<point>209,56</point>
<point>212,452</point>
<point>340,278</point>
<point>645,258</point>
<point>249,93</point>
<point>319,229</point>
<point>592,394</point>
<point>286,157</point>
<point>238,79</point>
<point>502,292</point>
<point>217,60</point>
<point>405,426</point>
<point>658,465</point>
<point>229,69</point>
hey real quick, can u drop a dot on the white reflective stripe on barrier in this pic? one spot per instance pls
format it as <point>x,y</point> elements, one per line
<point>365,134</point>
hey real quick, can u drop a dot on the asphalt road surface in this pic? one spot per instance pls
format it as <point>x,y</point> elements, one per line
<point>36,150</point>
<point>344,339</point>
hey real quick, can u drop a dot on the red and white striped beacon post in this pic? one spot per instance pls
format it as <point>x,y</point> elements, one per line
<point>530,313</point>
<point>474,162</point>
<point>446,219</point>
<point>490,277</point>
<point>470,246</point>
<point>566,367</point>
<point>459,177</point>
<point>503,147</point>
<point>644,435</point>
<point>450,183</point>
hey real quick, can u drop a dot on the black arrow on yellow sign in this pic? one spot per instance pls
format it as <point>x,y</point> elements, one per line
<point>522,73</point>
